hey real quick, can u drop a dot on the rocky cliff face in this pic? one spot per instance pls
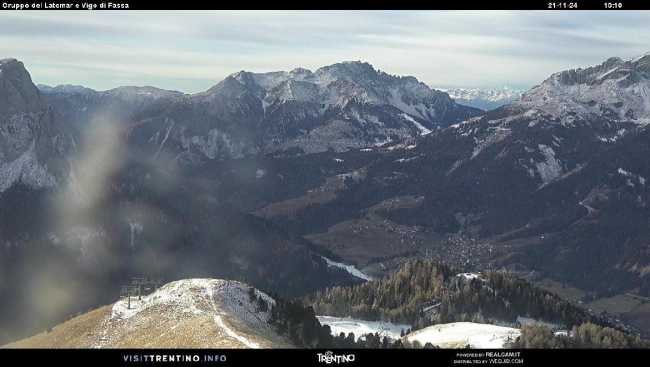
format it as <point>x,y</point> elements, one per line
<point>32,146</point>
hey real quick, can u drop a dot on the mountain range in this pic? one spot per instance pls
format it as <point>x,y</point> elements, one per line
<point>272,178</point>
<point>337,107</point>
<point>484,98</point>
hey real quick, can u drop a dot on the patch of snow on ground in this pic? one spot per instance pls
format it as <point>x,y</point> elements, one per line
<point>496,135</point>
<point>402,146</point>
<point>470,276</point>
<point>403,160</point>
<point>422,128</point>
<point>180,293</point>
<point>550,168</point>
<point>624,172</point>
<point>219,321</point>
<point>348,325</point>
<point>629,174</point>
<point>349,268</point>
<point>459,334</point>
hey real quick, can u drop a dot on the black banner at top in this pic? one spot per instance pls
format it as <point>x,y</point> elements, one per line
<point>116,5</point>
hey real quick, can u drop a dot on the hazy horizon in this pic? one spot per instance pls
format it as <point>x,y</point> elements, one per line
<point>192,51</point>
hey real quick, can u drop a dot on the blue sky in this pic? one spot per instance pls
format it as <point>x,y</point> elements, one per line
<point>191,51</point>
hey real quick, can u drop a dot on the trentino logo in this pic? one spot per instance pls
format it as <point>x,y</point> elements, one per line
<point>329,357</point>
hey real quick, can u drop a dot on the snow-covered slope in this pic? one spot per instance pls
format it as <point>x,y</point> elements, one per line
<point>226,302</point>
<point>555,127</point>
<point>339,84</point>
<point>360,328</point>
<point>461,334</point>
<point>484,98</point>
<point>195,313</point>
<point>340,107</point>
<point>616,89</point>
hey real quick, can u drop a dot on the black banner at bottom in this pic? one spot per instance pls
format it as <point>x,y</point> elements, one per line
<point>313,357</point>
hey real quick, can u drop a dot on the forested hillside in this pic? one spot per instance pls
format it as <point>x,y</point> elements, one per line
<point>422,293</point>
<point>587,335</point>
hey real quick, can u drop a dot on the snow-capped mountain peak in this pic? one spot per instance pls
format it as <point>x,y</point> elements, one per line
<point>339,83</point>
<point>484,98</point>
<point>615,89</point>
<point>351,103</point>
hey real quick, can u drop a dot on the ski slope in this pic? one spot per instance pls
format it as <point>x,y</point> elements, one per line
<point>460,334</point>
<point>359,327</point>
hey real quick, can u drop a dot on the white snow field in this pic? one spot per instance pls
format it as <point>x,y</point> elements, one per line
<point>460,334</point>
<point>347,325</point>
<point>349,268</point>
